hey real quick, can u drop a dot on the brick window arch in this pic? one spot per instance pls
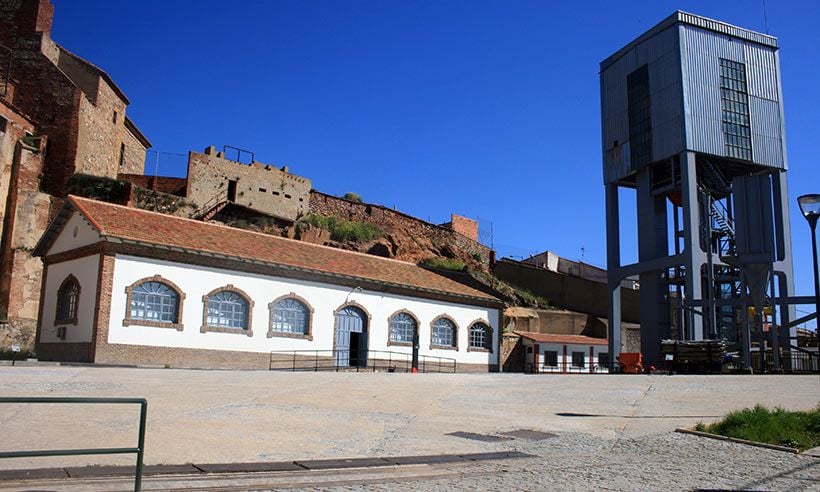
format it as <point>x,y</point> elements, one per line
<point>154,301</point>
<point>480,337</point>
<point>443,333</point>
<point>227,310</point>
<point>291,316</point>
<point>68,299</point>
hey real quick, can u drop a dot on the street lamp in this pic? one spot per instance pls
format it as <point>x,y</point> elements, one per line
<point>810,206</point>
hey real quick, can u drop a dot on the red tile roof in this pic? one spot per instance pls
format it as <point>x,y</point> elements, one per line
<point>562,339</point>
<point>131,224</point>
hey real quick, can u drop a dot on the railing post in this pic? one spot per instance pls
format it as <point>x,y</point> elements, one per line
<point>141,445</point>
<point>293,367</point>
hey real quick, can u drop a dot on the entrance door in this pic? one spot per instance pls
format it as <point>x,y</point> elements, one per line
<point>232,191</point>
<point>351,337</point>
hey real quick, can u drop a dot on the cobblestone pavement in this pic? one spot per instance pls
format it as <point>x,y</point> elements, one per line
<point>612,432</point>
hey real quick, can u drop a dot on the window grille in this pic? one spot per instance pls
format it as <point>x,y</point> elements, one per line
<point>290,316</point>
<point>480,336</point>
<point>154,301</point>
<point>402,328</point>
<point>734,100</point>
<point>444,333</point>
<point>67,298</point>
<point>227,309</point>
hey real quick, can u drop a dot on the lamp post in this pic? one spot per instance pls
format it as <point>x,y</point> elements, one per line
<point>810,206</point>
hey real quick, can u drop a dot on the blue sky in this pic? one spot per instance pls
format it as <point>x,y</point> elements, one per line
<point>489,109</point>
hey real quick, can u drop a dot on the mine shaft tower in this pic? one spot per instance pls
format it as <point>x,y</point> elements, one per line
<point>692,120</point>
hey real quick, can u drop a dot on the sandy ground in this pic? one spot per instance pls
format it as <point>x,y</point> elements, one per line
<point>234,416</point>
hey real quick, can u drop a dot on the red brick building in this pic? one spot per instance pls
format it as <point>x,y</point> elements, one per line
<point>59,115</point>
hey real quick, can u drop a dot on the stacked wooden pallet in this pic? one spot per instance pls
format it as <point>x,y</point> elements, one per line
<point>694,356</point>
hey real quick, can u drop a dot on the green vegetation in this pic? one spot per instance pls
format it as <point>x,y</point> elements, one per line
<point>439,263</point>
<point>345,230</point>
<point>800,430</point>
<point>353,197</point>
<point>158,201</point>
<point>99,188</point>
<point>529,299</point>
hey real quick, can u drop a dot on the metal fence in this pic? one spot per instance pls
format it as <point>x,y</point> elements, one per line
<point>139,450</point>
<point>368,361</point>
<point>791,362</point>
<point>566,368</point>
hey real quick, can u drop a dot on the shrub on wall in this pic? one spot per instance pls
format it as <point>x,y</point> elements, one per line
<point>345,230</point>
<point>353,197</point>
<point>448,264</point>
<point>99,188</point>
<point>158,201</point>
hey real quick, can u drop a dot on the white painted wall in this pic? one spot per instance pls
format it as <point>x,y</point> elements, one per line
<point>76,233</point>
<point>543,348</point>
<point>197,281</point>
<point>85,270</point>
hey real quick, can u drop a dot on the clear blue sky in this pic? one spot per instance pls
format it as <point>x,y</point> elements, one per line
<point>489,109</point>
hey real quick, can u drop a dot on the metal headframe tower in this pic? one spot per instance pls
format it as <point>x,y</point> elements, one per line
<point>692,120</point>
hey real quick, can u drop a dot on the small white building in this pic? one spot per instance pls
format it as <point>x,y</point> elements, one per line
<point>127,286</point>
<point>564,354</point>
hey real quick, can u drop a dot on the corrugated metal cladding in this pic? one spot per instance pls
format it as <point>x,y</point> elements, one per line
<point>701,51</point>
<point>761,72</point>
<point>767,142</point>
<point>661,54</point>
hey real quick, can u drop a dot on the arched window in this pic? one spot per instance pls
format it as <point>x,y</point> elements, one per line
<point>154,301</point>
<point>481,336</point>
<point>402,328</point>
<point>227,309</point>
<point>290,316</point>
<point>443,333</point>
<point>68,297</point>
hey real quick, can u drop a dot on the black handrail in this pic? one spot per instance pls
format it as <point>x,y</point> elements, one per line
<point>139,450</point>
<point>372,360</point>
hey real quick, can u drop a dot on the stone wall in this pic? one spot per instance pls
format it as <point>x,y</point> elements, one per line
<point>261,187</point>
<point>567,291</point>
<point>133,158</point>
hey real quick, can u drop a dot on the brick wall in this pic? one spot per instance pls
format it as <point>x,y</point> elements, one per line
<point>172,186</point>
<point>464,226</point>
<point>270,190</point>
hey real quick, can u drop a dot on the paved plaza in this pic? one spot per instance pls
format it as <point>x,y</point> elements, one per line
<point>610,432</point>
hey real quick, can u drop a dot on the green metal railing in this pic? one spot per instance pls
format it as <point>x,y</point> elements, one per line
<point>139,450</point>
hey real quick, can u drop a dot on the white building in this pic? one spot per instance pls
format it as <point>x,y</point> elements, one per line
<point>553,353</point>
<point>127,286</point>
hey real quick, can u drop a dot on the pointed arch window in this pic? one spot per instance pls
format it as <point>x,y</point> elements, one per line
<point>443,334</point>
<point>402,329</point>
<point>68,299</point>
<point>481,337</point>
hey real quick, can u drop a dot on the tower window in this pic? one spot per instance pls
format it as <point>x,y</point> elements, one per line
<point>734,101</point>
<point>640,117</point>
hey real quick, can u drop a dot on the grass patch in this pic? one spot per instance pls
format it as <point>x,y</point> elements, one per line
<point>448,264</point>
<point>345,230</point>
<point>799,430</point>
<point>530,299</point>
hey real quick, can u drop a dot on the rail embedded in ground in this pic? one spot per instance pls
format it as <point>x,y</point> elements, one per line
<point>366,361</point>
<point>139,450</point>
